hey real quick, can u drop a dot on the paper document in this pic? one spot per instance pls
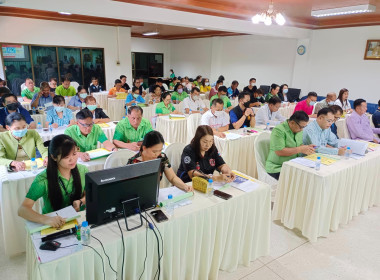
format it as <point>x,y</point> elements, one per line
<point>232,136</point>
<point>177,116</point>
<point>68,225</point>
<point>371,146</point>
<point>244,183</point>
<point>357,147</point>
<point>304,162</point>
<point>324,159</point>
<point>67,213</point>
<point>103,125</point>
<point>98,153</point>
<point>180,198</point>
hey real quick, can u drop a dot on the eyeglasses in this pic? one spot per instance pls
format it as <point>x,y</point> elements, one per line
<point>302,127</point>
<point>86,125</point>
<point>330,121</point>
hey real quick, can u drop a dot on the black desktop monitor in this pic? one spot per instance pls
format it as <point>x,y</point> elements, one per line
<point>265,89</point>
<point>294,94</point>
<point>106,190</point>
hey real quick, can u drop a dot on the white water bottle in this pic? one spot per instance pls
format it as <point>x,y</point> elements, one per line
<point>39,127</point>
<point>267,127</point>
<point>50,129</point>
<point>210,189</point>
<point>170,206</point>
<point>318,164</point>
<point>34,166</point>
<point>85,233</point>
<point>201,110</point>
<point>348,152</point>
<point>245,130</point>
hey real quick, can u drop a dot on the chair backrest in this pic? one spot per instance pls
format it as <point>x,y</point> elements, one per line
<point>118,159</point>
<point>23,86</point>
<point>180,107</point>
<point>75,85</point>
<point>193,122</point>
<point>262,144</point>
<point>207,103</point>
<point>173,152</point>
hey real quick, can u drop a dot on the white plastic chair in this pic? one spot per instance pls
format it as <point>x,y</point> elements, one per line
<point>119,158</point>
<point>23,86</point>
<point>165,86</point>
<point>75,85</point>
<point>262,144</point>
<point>173,152</point>
<point>180,107</point>
<point>193,122</point>
<point>207,103</point>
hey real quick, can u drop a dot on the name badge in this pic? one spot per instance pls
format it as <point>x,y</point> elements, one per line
<point>48,104</point>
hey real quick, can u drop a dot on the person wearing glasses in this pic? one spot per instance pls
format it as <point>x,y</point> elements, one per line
<point>286,143</point>
<point>19,143</point>
<point>87,134</point>
<point>338,112</point>
<point>319,134</point>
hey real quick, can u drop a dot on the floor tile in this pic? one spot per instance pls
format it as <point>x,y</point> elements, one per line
<point>263,273</point>
<point>241,271</point>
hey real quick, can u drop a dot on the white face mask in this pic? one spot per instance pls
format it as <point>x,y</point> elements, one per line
<point>253,84</point>
<point>285,90</point>
<point>218,113</point>
<point>195,97</point>
<point>184,84</point>
<point>207,83</point>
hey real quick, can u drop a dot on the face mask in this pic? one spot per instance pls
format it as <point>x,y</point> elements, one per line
<point>83,95</point>
<point>184,84</point>
<point>246,104</point>
<point>19,133</point>
<point>195,97</point>
<point>136,95</point>
<point>218,113</point>
<point>312,103</point>
<point>207,83</point>
<point>331,103</point>
<point>253,84</point>
<point>12,106</point>
<point>285,90</point>
<point>180,90</point>
<point>59,108</point>
<point>90,107</point>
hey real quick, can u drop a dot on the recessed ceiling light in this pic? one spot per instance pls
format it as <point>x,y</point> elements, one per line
<point>344,11</point>
<point>64,13</point>
<point>200,28</point>
<point>152,33</point>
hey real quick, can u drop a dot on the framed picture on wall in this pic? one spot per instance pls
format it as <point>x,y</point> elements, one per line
<point>372,50</point>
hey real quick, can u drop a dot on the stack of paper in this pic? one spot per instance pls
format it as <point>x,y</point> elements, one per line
<point>121,95</point>
<point>244,183</point>
<point>304,162</point>
<point>103,125</point>
<point>180,198</point>
<point>357,147</point>
<point>176,116</point>
<point>232,136</point>
<point>98,153</point>
<point>324,159</point>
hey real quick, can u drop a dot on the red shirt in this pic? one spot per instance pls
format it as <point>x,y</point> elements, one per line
<point>302,106</point>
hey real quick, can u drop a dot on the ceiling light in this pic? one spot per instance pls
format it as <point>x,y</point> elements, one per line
<point>268,16</point>
<point>152,33</point>
<point>367,8</point>
<point>64,13</point>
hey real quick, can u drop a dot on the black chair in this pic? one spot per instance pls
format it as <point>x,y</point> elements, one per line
<point>265,89</point>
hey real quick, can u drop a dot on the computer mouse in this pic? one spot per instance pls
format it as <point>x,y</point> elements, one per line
<point>50,245</point>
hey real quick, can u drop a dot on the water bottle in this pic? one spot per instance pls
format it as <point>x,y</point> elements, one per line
<point>85,233</point>
<point>190,112</point>
<point>170,206</point>
<point>50,129</point>
<point>245,130</point>
<point>201,110</point>
<point>34,166</point>
<point>318,164</point>
<point>210,189</point>
<point>33,110</point>
<point>348,152</point>
<point>39,127</point>
<point>267,127</point>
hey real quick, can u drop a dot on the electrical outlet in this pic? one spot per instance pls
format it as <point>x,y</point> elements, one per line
<point>118,62</point>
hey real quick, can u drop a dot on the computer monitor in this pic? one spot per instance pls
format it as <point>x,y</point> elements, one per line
<point>106,190</point>
<point>265,89</point>
<point>294,93</point>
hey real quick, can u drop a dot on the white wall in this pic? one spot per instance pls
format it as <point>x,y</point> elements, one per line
<point>43,32</point>
<point>154,46</point>
<point>335,61</point>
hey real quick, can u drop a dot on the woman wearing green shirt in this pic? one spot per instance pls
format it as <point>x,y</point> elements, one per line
<point>179,94</point>
<point>60,185</point>
<point>165,107</point>
<point>172,75</point>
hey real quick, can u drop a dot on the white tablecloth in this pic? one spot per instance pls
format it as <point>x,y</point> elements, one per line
<point>239,154</point>
<point>115,109</point>
<point>316,202</point>
<point>39,118</point>
<point>101,99</point>
<point>173,131</point>
<point>13,191</point>
<point>203,237</point>
<point>287,110</point>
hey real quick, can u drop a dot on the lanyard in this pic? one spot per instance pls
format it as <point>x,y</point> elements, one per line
<point>63,186</point>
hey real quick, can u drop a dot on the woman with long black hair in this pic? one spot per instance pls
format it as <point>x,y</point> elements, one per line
<point>60,185</point>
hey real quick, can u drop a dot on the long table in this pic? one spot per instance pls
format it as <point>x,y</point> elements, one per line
<point>316,202</point>
<point>13,189</point>
<point>208,235</point>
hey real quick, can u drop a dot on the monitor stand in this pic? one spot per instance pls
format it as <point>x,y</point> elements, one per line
<point>138,211</point>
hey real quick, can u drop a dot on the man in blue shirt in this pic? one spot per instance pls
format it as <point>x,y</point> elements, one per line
<point>376,117</point>
<point>242,115</point>
<point>233,91</point>
<point>11,105</point>
<point>318,133</point>
<point>44,98</point>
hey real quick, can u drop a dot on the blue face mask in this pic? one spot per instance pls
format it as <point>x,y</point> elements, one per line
<point>312,103</point>
<point>285,90</point>
<point>136,95</point>
<point>92,107</point>
<point>83,95</point>
<point>331,103</point>
<point>19,133</point>
<point>59,108</point>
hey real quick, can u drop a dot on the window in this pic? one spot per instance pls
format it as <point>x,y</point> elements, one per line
<point>44,62</point>
<point>147,65</point>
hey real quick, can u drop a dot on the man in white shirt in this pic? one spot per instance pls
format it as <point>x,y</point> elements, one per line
<point>269,112</point>
<point>193,102</point>
<point>216,118</point>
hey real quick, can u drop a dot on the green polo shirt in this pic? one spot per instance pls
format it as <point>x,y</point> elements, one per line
<point>125,132</point>
<point>226,101</point>
<point>179,97</point>
<point>70,91</point>
<point>282,137</point>
<point>268,96</point>
<point>89,142</point>
<point>29,94</point>
<point>39,188</point>
<point>162,109</point>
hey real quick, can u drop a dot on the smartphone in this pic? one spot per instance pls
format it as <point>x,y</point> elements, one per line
<point>223,195</point>
<point>159,216</point>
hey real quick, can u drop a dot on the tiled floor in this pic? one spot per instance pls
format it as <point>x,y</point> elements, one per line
<point>351,253</point>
